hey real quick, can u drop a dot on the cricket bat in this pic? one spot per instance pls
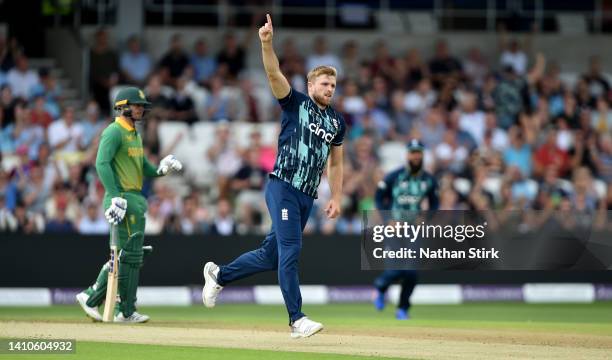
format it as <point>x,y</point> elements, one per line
<point>113,272</point>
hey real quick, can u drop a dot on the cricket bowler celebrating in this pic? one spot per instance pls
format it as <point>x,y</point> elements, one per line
<point>310,132</point>
<point>402,192</point>
<point>121,165</point>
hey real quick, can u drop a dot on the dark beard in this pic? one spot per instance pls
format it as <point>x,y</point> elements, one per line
<point>415,168</point>
<point>319,100</point>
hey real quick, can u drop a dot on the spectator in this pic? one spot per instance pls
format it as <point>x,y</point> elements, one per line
<point>353,103</point>
<point>9,193</point>
<point>597,82</point>
<point>181,106</point>
<point>51,90</point>
<point>8,53</point>
<point>603,158</point>
<point>413,68</point>
<point>34,190</point>
<point>103,70</point>
<point>218,105</point>
<point>159,101</point>
<point>383,63</point>
<point>247,106</point>
<point>401,120</point>
<point>266,154</point>
<point>93,223</point>
<point>174,62</point>
<point>65,134</point>
<point>549,154</point>
<point>450,155</point>
<point>21,79</point>
<point>518,154</point>
<point>420,99</point>
<point>584,152</point>
<point>292,65</point>
<point>248,184</point>
<point>203,64</point>
<point>494,137</point>
<point>59,223</point>
<point>25,134</point>
<point>7,105</point>
<point>350,59</point>
<point>223,223</point>
<point>444,66</point>
<point>471,119</point>
<point>513,56</point>
<point>233,55</point>
<point>8,222</point>
<point>154,218</point>
<point>224,157</point>
<point>508,96</point>
<point>601,119</point>
<point>432,129</point>
<point>93,125</point>
<point>194,219</point>
<point>476,67</point>
<point>135,64</point>
<point>39,115</point>
<point>321,56</point>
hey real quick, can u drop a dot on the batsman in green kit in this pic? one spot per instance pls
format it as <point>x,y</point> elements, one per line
<point>121,167</point>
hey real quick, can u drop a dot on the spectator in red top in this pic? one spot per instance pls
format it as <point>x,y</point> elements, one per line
<point>40,116</point>
<point>550,154</point>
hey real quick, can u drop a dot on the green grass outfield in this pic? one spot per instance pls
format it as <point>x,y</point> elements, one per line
<point>513,325</point>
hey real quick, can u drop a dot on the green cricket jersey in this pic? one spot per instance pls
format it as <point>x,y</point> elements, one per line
<point>121,164</point>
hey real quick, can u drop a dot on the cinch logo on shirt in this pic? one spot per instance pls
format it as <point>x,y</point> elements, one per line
<point>135,152</point>
<point>319,131</point>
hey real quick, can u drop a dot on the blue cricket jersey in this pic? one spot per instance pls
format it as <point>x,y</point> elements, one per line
<point>403,192</point>
<point>307,133</point>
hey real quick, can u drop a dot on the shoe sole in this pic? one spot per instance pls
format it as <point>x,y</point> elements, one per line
<point>207,280</point>
<point>130,322</point>
<point>85,308</point>
<point>309,334</point>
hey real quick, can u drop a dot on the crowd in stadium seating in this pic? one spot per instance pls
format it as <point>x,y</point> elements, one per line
<point>504,133</point>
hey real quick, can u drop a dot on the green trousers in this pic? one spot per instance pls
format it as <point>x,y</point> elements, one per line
<point>131,238</point>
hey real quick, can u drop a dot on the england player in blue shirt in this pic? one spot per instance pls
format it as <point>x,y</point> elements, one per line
<point>311,131</point>
<point>402,193</point>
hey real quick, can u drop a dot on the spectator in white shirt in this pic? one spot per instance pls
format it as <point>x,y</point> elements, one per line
<point>64,134</point>
<point>514,57</point>
<point>21,79</point>
<point>93,223</point>
<point>497,136</point>
<point>471,119</point>
<point>420,99</point>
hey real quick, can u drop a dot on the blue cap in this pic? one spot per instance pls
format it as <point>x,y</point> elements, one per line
<point>415,145</point>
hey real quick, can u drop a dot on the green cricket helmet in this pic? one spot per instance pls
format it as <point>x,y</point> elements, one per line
<point>130,96</point>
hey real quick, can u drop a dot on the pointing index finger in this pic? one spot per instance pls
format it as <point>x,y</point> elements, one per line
<point>269,19</point>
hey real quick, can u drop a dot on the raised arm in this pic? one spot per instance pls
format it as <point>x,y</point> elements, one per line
<point>278,82</point>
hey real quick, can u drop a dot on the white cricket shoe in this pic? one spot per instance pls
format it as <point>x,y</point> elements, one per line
<point>92,312</point>
<point>304,327</point>
<point>211,288</point>
<point>134,318</point>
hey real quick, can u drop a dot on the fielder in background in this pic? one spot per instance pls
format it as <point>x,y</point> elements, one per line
<point>403,192</point>
<point>311,131</point>
<point>121,165</point>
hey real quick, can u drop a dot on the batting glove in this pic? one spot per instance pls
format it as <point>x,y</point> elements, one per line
<point>169,163</point>
<point>115,213</point>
